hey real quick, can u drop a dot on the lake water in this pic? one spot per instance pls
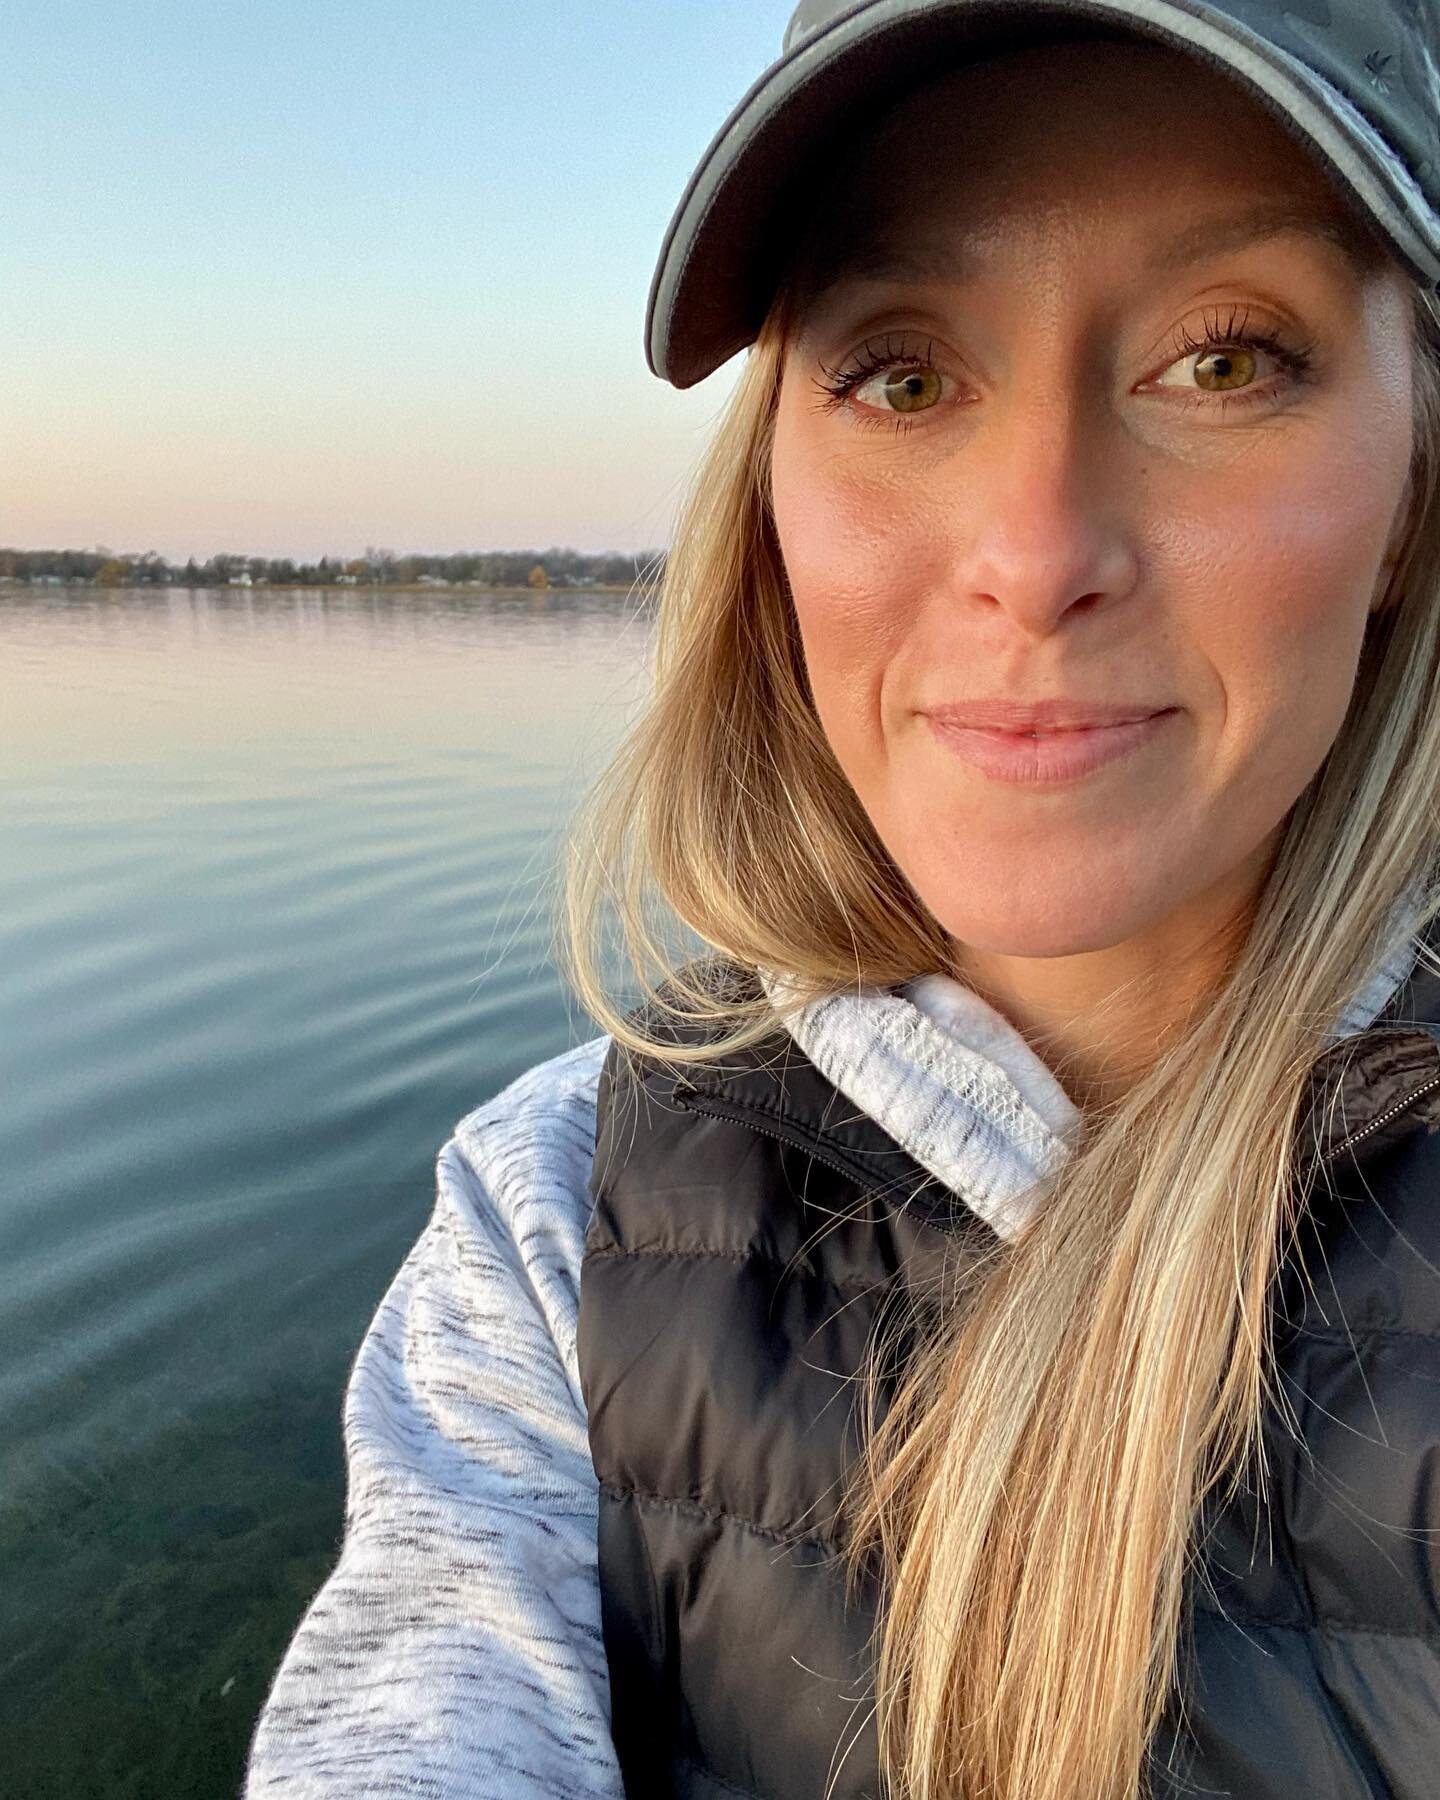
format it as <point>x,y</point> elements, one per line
<point>276,878</point>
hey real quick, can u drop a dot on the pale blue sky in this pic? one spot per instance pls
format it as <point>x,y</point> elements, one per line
<point>288,276</point>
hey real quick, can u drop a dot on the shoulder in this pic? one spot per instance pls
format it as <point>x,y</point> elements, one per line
<point>1374,1241</point>
<point>513,1183</point>
<point>639,1091</point>
<point>525,1155</point>
<point>542,1125</point>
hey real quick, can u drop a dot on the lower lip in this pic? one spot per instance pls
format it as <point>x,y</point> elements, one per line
<point>1053,756</point>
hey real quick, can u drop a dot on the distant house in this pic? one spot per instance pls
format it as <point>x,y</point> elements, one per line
<point>347,580</point>
<point>242,580</point>
<point>47,581</point>
<point>431,581</point>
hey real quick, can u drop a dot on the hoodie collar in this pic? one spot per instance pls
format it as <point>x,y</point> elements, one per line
<point>957,1088</point>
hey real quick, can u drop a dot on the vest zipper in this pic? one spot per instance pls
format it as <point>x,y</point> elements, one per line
<point>1394,1112</point>
<point>739,1115</point>
<point>688,1098</point>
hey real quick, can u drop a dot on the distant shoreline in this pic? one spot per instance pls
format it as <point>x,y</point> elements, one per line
<point>312,587</point>
<point>557,567</point>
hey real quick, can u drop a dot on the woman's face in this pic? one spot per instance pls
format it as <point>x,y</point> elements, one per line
<point>1008,468</point>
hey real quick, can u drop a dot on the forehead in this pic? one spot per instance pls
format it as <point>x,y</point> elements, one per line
<point>895,258</point>
<point>1093,149</point>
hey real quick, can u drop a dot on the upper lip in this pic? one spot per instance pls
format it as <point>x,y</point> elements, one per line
<point>1039,715</point>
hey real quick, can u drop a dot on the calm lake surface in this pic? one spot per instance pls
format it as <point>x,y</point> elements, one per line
<point>276,883</point>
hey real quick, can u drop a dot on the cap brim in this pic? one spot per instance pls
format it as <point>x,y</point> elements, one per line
<point>731,234</point>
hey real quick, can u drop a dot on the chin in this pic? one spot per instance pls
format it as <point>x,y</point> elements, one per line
<point>1027,886</point>
<point>1036,939</point>
<point>1055,919</point>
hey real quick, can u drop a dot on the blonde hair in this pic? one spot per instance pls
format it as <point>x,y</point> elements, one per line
<point>1030,1497</point>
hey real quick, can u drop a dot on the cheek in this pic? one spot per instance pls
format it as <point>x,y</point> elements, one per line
<point>1278,565</point>
<point>854,556</point>
<point>1276,595</point>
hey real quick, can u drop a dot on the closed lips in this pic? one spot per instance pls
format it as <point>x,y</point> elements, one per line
<point>1038,718</point>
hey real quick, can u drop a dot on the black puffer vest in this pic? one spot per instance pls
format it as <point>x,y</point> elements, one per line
<point>748,1222</point>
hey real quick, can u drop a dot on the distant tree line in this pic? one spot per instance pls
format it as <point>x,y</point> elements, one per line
<point>555,567</point>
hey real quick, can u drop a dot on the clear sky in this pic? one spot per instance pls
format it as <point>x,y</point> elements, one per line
<point>285,277</point>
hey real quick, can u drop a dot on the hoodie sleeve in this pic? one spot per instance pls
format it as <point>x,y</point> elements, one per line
<point>456,1648</point>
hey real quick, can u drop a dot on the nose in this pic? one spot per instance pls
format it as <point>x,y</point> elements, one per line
<point>1049,506</point>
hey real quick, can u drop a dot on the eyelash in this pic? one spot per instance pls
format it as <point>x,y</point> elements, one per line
<point>1295,359</point>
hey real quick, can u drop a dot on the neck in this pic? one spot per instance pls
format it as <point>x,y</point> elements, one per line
<point>1100,1018</point>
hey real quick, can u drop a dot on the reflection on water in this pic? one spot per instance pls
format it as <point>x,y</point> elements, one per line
<point>276,873</point>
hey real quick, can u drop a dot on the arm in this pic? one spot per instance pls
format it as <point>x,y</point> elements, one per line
<point>456,1648</point>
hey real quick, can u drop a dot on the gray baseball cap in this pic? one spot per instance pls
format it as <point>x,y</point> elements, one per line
<point>1356,80</point>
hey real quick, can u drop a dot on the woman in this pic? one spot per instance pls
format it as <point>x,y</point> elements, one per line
<point>973,1332</point>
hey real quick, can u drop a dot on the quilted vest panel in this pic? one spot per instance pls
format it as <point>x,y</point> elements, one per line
<point>748,1226</point>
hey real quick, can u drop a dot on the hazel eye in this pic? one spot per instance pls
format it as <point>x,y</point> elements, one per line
<point>1219,370</point>
<point>902,390</point>
<point>1225,361</point>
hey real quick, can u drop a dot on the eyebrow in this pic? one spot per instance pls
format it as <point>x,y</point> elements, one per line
<point>1217,237</point>
<point>1201,239</point>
